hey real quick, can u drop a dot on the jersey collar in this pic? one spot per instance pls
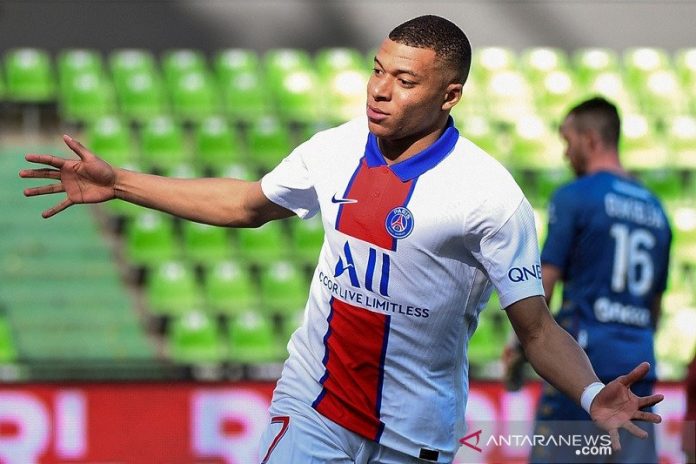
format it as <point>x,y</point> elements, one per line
<point>418,163</point>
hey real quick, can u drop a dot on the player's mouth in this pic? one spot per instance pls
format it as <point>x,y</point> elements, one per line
<point>375,115</point>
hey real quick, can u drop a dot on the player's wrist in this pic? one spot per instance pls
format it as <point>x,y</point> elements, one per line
<point>589,394</point>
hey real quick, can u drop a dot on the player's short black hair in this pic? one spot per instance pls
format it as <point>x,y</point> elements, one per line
<point>444,37</point>
<point>601,115</point>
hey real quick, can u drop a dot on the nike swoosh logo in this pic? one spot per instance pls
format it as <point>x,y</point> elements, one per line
<point>342,200</point>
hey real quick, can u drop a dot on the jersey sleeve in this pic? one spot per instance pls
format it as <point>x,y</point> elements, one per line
<point>290,184</point>
<point>511,257</point>
<point>561,229</point>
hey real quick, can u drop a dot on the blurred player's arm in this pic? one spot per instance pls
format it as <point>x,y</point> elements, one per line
<point>89,179</point>
<point>557,357</point>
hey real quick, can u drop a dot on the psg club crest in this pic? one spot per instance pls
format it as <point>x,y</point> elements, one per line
<point>399,222</point>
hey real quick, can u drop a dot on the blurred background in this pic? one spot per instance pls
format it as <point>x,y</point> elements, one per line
<point>115,318</point>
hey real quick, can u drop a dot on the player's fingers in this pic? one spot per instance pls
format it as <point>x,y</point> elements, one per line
<point>43,190</point>
<point>56,209</point>
<point>50,160</point>
<point>647,417</point>
<point>77,147</point>
<point>652,400</point>
<point>615,442</point>
<point>44,173</point>
<point>636,374</point>
<point>633,429</point>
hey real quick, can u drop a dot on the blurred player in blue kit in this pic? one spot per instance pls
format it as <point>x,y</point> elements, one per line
<point>608,243</point>
<point>420,225</point>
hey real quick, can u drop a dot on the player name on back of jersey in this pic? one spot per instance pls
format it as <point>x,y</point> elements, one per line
<point>634,210</point>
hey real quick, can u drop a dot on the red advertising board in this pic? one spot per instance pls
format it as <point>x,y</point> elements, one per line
<point>185,423</point>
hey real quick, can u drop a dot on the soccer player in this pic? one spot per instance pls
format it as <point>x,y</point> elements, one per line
<point>609,243</point>
<point>420,224</point>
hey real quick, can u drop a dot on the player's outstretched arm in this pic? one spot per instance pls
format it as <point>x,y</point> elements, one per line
<point>89,179</point>
<point>557,357</point>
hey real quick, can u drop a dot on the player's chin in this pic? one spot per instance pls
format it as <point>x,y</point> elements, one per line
<point>379,129</point>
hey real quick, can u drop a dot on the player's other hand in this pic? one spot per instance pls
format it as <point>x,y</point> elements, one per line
<point>513,360</point>
<point>88,179</point>
<point>616,406</point>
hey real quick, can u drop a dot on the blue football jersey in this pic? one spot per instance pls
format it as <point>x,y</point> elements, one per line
<point>610,237</point>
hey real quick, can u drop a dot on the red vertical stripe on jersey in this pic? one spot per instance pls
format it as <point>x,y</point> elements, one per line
<point>356,343</point>
<point>377,191</point>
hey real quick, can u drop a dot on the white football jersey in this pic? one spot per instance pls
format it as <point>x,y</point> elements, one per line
<point>409,255</point>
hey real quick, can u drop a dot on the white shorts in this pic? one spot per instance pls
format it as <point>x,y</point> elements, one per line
<point>298,434</point>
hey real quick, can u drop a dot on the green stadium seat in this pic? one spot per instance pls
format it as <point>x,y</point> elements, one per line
<point>284,287</point>
<point>150,239</point>
<point>203,244</point>
<point>685,66</point>
<point>262,244</point>
<point>684,229</point>
<point>172,289</point>
<point>217,144</point>
<point>86,96</point>
<point>508,96</point>
<point>296,96</point>
<point>555,92</point>
<point>329,61</point>
<point>245,97</point>
<point>231,62</point>
<point>228,288</point>
<point>194,338</point>
<point>183,170</point>
<point>307,238</point>
<point>177,63</point>
<point>486,344</point>
<point>141,96</point>
<point>661,94</point>
<point>162,144</point>
<point>345,97</point>
<point>8,351</point>
<point>488,62</point>
<point>538,62</point>
<point>29,75</point>
<point>534,146</point>
<point>611,85</point>
<point>73,62</point>
<point>269,141</point>
<point>665,182</point>
<point>236,171</point>
<point>129,61</point>
<point>279,62</point>
<point>640,146</point>
<point>680,134</point>
<point>640,62</point>
<point>290,323</point>
<point>590,62</point>
<point>194,96</point>
<point>110,138</point>
<point>252,340</point>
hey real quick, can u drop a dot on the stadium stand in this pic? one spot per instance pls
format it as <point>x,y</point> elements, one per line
<point>235,296</point>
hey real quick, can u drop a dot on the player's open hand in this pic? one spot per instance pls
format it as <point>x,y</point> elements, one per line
<point>616,406</point>
<point>88,179</point>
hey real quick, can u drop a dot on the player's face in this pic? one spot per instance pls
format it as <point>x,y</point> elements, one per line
<point>409,93</point>
<point>576,146</point>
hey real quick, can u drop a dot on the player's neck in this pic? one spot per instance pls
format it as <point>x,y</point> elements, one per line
<point>606,162</point>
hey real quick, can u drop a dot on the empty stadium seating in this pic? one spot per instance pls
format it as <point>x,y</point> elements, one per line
<point>235,296</point>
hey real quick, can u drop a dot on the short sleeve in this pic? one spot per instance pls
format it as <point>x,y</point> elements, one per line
<point>290,184</point>
<point>561,229</point>
<point>511,257</point>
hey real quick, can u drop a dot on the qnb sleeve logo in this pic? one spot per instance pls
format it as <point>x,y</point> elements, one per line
<point>523,274</point>
<point>399,222</point>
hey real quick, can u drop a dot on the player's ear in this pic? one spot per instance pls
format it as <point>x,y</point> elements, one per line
<point>453,93</point>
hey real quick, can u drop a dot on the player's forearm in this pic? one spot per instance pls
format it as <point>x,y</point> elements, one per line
<point>557,357</point>
<point>207,200</point>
